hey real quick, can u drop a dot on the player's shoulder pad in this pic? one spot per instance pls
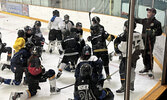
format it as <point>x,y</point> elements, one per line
<point>93,58</point>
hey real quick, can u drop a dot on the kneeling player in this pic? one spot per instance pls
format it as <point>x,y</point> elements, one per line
<point>36,74</point>
<point>71,49</point>
<point>89,82</point>
<point>137,47</point>
<point>18,65</point>
<point>4,49</point>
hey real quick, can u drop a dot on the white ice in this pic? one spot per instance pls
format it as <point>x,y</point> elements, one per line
<point>8,27</point>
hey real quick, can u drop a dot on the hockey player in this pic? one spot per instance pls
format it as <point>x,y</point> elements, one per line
<point>36,74</point>
<point>55,27</point>
<point>68,23</point>
<point>18,65</point>
<point>98,39</point>
<point>37,38</point>
<point>88,78</point>
<point>151,29</point>
<point>28,33</point>
<point>20,41</point>
<point>137,48</point>
<point>87,58</point>
<point>4,49</point>
<point>71,49</point>
<point>79,32</point>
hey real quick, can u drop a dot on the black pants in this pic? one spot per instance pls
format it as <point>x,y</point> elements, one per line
<point>55,34</point>
<point>122,67</point>
<point>73,59</point>
<point>33,81</point>
<point>6,50</point>
<point>104,57</point>
<point>148,59</point>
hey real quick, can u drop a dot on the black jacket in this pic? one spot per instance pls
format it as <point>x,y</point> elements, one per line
<point>151,29</point>
<point>98,38</point>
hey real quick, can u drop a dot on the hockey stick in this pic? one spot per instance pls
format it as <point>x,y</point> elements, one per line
<point>90,14</point>
<point>111,75</point>
<point>59,89</point>
<point>46,43</point>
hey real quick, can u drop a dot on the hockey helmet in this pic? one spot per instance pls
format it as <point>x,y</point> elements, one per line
<point>38,23</point>
<point>56,13</point>
<point>126,24</point>
<point>96,20</point>
<point>27,28</point>
<point>85,70</point>
<point>86,50</point>
<point>66,17</point>
<point>78,24</point>
<point>20,33</point>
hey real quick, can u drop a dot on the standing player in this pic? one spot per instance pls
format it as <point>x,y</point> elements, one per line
<point>28,33</point>
<point>4,49</point>
<point>71,49</point>
<point>55,27</point>
<point>36,74</point>
<point>151,29</point>
<point>98,39</point>
<point>79,32</point>
<point>137,48</point>
<point>68,23</point>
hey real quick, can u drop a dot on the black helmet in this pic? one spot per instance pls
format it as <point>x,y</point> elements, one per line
<point>20,33</point>
<point>27,28</point>
<point>126,24</point>
<point>78,24</point>
<point>85,70</point>
<point>56,13</point>
<point>96,20</point>
<point>37,23</point>
<point>37,51</point>
<point>66,17</point>
<point>86,52</point>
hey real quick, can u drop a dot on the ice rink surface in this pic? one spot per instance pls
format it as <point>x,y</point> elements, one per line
<point>8,27</point>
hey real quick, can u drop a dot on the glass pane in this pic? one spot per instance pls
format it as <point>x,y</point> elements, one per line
<point>27,1</point>
<point>36,2</point>
<point>19,0</point>
<point>45,3</point>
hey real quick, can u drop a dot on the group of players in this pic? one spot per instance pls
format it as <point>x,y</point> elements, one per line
<point>87,62</point>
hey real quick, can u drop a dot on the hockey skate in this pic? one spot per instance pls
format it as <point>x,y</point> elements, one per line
<point>4,66</point>
<point>150,74</point>
<point>15,95</point>
<point>143,71</point>
<point>1,80</point>
<point>58,74</point>
<point>52,90</point>
<point>121,90</point>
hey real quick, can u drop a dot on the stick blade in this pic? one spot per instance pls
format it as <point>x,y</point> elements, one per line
<point>92,9</point>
